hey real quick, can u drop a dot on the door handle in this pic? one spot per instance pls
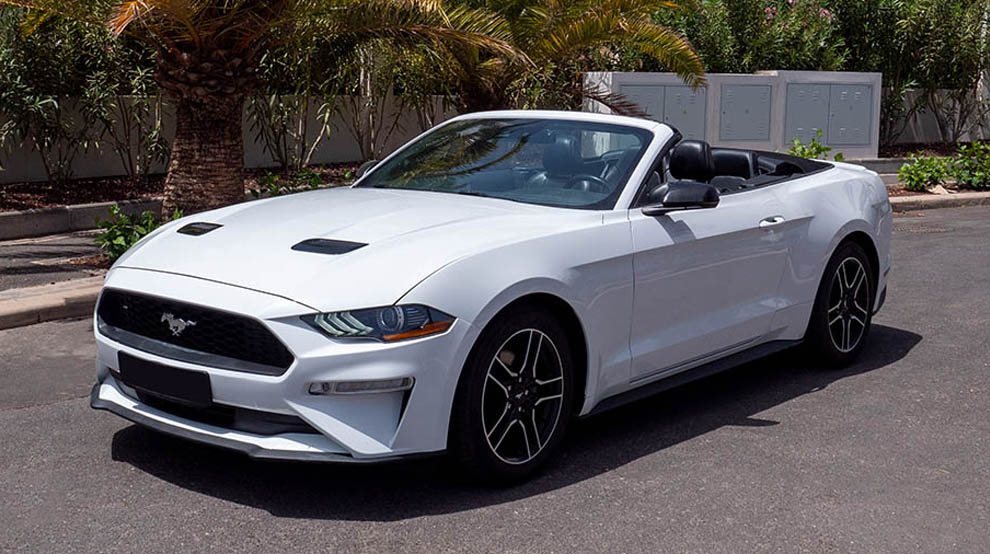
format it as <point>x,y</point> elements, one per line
<point>771,221</point>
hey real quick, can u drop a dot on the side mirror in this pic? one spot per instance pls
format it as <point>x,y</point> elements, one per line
<point>680,195</point>
<point>365,167</point>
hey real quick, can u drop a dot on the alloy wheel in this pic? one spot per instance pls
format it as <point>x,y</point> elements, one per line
<point>522,396</point>
<point>848,305</point>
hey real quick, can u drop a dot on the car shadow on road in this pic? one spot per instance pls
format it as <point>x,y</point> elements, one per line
<point>596,445</point>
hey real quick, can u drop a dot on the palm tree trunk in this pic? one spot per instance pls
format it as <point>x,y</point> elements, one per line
<point>205,170</point>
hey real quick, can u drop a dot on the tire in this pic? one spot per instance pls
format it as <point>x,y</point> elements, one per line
<point>843,311</point>
<point>510,415</point>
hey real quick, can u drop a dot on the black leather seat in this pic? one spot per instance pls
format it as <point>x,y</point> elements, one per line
<point>561,161</point>
<point>735,163</point>
<point>732,169</point>
<point>691,160</point>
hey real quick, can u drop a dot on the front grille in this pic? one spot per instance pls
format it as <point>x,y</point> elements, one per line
<point>191,333</point>
<point>229,417</point>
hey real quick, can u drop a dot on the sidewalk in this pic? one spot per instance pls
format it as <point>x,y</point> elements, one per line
<point>30,305</point>
<point>39,283</point>
<point>45,260</point>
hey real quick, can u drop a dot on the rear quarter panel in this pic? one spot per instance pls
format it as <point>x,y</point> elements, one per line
<point>823,210</point>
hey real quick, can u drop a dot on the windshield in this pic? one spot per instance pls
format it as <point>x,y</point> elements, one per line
<point>568,164</point>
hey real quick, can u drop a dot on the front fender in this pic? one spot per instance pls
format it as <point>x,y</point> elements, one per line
<point>590,269</point>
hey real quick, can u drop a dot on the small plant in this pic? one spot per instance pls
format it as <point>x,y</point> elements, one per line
<point>814,150</point>
<point>971,167</point>
<point>922,172</point>
<point>275,185</point>
<point>123,231</point>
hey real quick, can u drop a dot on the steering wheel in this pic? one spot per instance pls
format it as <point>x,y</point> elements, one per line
<point>588,183</point>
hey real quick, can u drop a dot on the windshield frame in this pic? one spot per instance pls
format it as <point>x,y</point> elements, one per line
<point>646,129</point>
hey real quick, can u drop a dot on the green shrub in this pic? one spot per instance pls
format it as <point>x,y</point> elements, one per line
<point>813,150</point>
<point>922,172</point>
<point>972,166</point>
<point>123,231</point>
<point>276,185</point>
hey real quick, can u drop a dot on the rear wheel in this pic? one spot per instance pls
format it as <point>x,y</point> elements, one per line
<point>841,319</point>
<point>514,400</point>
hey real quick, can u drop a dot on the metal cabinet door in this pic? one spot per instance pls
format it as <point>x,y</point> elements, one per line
<point>684,108</point>
<point>851,108</point>
<point>649,97</point>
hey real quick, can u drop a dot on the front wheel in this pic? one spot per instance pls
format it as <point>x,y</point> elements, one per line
<point>841,318</point>
<point>514,400</point>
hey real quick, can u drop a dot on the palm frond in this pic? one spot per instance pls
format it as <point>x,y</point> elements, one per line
<point>669,48</point>
<point>614,101</point>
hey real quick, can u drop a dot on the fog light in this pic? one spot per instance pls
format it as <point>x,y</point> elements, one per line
<point>359,387</point>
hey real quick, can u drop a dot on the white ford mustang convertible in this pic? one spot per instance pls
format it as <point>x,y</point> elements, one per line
<point>488,282</point>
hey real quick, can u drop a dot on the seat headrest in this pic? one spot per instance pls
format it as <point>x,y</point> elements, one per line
<point>562,156</point>
<point>692,161</point>
<point>735,163</point>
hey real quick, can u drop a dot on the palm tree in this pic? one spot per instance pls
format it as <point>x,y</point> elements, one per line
<point>207,54</point>
<point>555,33</point>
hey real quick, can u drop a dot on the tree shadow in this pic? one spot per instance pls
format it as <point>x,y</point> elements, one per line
<point>401,490</point>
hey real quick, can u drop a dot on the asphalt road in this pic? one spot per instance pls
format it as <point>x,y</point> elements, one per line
<point>890,455</point>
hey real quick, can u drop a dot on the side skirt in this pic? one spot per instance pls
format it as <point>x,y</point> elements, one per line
<point>693,374</point>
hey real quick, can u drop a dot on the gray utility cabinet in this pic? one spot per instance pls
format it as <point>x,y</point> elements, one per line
<point>843,112</point>
<point>763,111</point>
<point>675,105</point>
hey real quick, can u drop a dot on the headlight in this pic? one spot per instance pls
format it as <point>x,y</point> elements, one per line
<point>388,324</point>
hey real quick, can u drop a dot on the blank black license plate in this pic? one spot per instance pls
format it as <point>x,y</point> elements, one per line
<point>171,383</point>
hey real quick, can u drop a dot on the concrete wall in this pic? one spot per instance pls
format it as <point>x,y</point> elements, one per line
<point>762,111</point>
<point>923,128</point>
<point>23,164</point>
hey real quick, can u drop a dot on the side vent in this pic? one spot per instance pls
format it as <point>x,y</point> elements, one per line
<point>327,246</point>
<point>198,228</point>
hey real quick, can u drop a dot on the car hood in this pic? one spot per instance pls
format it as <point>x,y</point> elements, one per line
<point>409,235</point>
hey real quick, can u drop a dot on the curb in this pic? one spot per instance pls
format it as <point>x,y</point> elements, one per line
<point>935,201</point>
<point>30,305</point>
<point>881,165</point>
<point>64,219</point>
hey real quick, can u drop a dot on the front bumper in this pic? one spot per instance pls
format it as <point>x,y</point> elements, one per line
<point>348,428</point>
<point>107,395</point>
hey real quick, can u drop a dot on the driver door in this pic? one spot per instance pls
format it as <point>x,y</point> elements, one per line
<point>706,282</point>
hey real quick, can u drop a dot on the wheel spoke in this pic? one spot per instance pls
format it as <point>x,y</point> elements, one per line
<point>846,331</point>
<point>851,283</point>
<point>506,368</point>
<point>505,432</point>
<point>529,449</point>
<point>536,357</point>
<point>497,422</point>
<point>842,279</point>
<point>858,280</point>
<point>860,308</point>
<point>549,381</point>
<point>543,399</point>
<point>536,431</point>
<point>500,385</point>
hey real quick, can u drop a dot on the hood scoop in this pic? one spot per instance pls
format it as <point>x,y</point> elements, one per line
<point>328,246</point>
<point>198,228</point>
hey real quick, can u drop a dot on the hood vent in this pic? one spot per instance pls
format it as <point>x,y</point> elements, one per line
<point>198,228</point>
<point>327,246</point>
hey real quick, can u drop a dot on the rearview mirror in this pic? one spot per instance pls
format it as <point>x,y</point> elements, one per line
<point>365,167</point>
<point>680,195</point>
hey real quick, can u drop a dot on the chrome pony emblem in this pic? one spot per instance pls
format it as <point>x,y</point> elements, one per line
<point>177,325</point>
